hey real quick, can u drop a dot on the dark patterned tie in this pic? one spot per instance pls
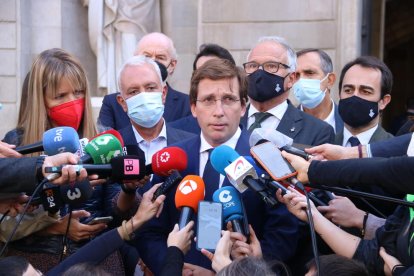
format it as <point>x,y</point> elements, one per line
<point>211,179</point>
<point>354,141</point>
<point>259,117</point>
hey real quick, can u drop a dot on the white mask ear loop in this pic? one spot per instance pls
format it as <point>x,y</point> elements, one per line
<point>324,91</point>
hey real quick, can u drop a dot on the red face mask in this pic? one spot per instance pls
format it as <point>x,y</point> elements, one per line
<point>68,114</point>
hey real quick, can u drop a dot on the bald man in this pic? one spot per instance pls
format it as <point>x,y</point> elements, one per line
<point>161,48</point>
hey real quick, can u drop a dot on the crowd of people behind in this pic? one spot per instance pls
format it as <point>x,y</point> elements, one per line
<point>225,104</point>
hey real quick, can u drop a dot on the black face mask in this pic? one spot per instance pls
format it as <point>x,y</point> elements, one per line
<point>264,86</point>
<point>356,111</point>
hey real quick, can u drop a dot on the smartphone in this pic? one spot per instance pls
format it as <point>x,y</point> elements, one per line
<point>209,225</point>
<point>100,220</point>
<point>271,159</point>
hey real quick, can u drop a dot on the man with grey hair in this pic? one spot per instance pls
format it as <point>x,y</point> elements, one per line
<point>161,48</point>
<point>271,66</point>
<point>313,89</point>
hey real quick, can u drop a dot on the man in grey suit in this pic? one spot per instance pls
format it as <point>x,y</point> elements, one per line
<point>313,89</point>
<point>271,66</point>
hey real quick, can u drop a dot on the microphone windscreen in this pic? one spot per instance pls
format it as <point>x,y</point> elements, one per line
<point>103,148</point>
<point>60,139</point>
<point>114,133</point>
<point>127,167</point>
<point>229,197</point>
<point>189,192</point>
<point>221,157</point>
<point>77,193</point>
<point>167,159</point>
<point>271,135</point>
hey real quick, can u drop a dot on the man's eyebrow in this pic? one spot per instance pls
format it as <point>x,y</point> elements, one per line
<point>367,87</point>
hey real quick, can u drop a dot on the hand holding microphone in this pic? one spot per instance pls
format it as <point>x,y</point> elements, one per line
<point>7,150</point>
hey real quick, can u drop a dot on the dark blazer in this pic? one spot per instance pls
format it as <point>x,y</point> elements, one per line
<point>396,146</point>
<point>394,174</point>
<point>339,124</point>
<point>275,227</point>
<point>188,123</point>
<point>378,135</point>
<point>112,115</point>
<point>18,175</point>
<point>302,128</point>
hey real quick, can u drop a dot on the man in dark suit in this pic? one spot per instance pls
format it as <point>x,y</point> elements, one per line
<point>159,47</point>
<point>271,66</point>
<point>365,88</point>
<point>313,89</point>
<point>218,96</point>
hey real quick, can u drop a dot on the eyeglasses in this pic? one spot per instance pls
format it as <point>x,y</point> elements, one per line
<point>211,101</point>
<point>270,66</point>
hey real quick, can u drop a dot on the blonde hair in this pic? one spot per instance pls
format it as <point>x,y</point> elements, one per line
<point>47,71</point>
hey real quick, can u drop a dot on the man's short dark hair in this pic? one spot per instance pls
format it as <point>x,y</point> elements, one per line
<point>218,69</point>
<point>374,63</point>
<point>326,62</point>
<point>334,264</point>
<point>215,50</point>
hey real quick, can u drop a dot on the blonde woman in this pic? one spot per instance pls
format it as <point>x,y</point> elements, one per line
<point>57,95</point>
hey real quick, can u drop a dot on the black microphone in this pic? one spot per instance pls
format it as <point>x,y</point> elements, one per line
<point>120,168</point>
<point>77,193</point>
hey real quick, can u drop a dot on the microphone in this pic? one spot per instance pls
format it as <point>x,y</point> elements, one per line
<point>283,142</point>
<point>166,160</point>
<point>114,133</point>
<point>102,149</point>
<point>55,140</point>
<point>53,197</point>
<point>125,167</point>
<point>189,192</point>
<point>77,193</point>
<point>239,171</point>
<point>233,209</point>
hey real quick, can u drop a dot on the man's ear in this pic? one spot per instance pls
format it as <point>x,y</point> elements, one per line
<point>291,79</point>
<point>193,110</point>
<point>164,94</point>
<point>331,80</point>
<point>382,104</point>
<point>122,102</point>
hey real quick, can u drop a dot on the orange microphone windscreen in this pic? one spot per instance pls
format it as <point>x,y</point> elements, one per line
<point>189,192</point>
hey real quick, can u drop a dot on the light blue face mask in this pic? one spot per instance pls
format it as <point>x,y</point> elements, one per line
<point>146,108</point>
<point>308,92</point>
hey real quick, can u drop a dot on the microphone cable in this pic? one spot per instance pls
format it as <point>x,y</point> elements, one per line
<point>299,184</point>
<point>65,237</point>
<point>4,216</point>
<point>369,205</point>
<point>36,190</point>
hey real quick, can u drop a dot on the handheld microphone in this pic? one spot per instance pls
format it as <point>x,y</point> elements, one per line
<point>283,142</point>
<point>55,140</point>
<point>167,160</point>
<point>125,167</point>
<point>189,192</point>
<point>233,209</point>
<point>102,149</point>
<point>114,133</point>
<point>77,193</point>
<point>239,171</point>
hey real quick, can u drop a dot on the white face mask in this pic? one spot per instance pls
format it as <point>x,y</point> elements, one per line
<point>308,92</point>
<point>146,108</point>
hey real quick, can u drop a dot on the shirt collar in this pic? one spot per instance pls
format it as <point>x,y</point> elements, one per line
<point>232,142</point>
<point>277,111</point>
<point>363,137</point>
<point>163,133</point>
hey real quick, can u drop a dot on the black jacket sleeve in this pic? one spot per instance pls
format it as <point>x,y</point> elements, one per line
<point>174,262</point>
<point>393,174</point>
<point>17,175</point>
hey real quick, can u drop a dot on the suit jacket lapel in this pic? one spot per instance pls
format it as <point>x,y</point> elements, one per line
<point>291,123</point>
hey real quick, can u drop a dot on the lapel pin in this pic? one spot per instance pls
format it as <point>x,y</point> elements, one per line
<point>292,129</point>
